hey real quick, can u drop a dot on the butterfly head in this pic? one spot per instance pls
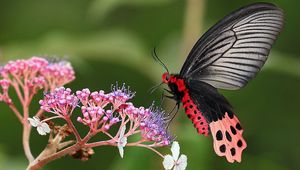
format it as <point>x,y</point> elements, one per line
<point>166,77</point>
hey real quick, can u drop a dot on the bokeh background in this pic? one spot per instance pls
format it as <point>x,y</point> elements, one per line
<point>112,40</point>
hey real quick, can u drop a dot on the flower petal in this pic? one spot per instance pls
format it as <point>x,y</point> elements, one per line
<point>45,127</point>
<point>122,132</point>
<point>33,122</point>
<point>41,130</point>
<point>123,142</point>
<point>168,162</point>
<point>181,163</point>
<point>175,150</point>
<point>36,119</point>
<point>121,151</point>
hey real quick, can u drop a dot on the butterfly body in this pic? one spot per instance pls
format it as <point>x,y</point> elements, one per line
<point>227,56</point>
<point>181,94</point>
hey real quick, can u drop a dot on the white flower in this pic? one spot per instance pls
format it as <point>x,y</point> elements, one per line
<point>41,127</point>
<point>171,161</point>
<point>122,141</point>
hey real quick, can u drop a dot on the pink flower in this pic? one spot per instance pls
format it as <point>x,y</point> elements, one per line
<point>99,98</point>
<point>4,83</point>
<point>4,96</point>
<point>100,111</point>
<point>91,116</point>
<point>120,95</point>
<point>61,102</point>
<point>57,74</point>
<point>35,84</point>
<point>38,73</point>
<point>83,95</point>
<point>22,68</point>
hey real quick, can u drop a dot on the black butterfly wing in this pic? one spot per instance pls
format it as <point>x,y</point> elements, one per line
<point>224,126</point>
<point>230,53</point>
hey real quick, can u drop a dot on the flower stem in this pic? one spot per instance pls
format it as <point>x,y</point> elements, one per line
<point>26,127</point>
<point>17,89</point>
<point>101,143</point>
<point>41,161</point>
<point>70,123</point>
<point>26,136</point>
<point>39,112</point>
<point>146,146</point>
<point>50,118</point>
<point>108,134</point>
<point>16,111</point>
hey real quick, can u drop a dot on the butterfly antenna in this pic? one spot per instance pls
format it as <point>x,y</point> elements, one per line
<point>152,89</point>
<point>162,99</point>
<point>155,57</point>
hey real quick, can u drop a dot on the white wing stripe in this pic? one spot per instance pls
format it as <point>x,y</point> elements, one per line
<point>256,40</point>
<point>229,73</point>
<point>243,59</point>
<point>259,25</point>
<point>249,50</point>
<point>255,31</point>
<point>235,68</point>
<point>273,14</point>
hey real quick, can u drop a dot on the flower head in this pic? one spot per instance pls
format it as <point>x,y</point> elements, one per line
<point>58,73</point>
<point>91,115</point>
<point>154,127</point>
<point>24,68</point>
<point>83,95</point>
<point>99,98</point>
<point>170,161</point>
<point>32,75</point>
<point>120,95</point>
<point>61,101</point>
<point>41,127</point>
<point>95,115</point>
<point>38,73</point>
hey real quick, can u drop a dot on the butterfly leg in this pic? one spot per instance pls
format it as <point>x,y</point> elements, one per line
<point>173,116</point>
<point>169,96</point>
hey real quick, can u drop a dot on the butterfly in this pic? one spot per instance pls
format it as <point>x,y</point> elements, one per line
<point>227,56</point>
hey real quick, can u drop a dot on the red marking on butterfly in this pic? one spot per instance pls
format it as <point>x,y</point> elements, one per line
<point>227,56</point>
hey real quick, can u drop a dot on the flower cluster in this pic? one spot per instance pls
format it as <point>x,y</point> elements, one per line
<point>37,73</point>
<point>59,73</point>
<point>154,127</point>
<point>34,74</point>
<point>4,95</point>
<point>100,111</point>
<point>95,114</point>
<point>61,102</point>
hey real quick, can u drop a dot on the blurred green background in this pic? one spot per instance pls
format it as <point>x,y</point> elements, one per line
<point>112,40</point>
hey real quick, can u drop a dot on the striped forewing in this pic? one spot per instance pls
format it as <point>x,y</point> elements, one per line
<point>237,51</point>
